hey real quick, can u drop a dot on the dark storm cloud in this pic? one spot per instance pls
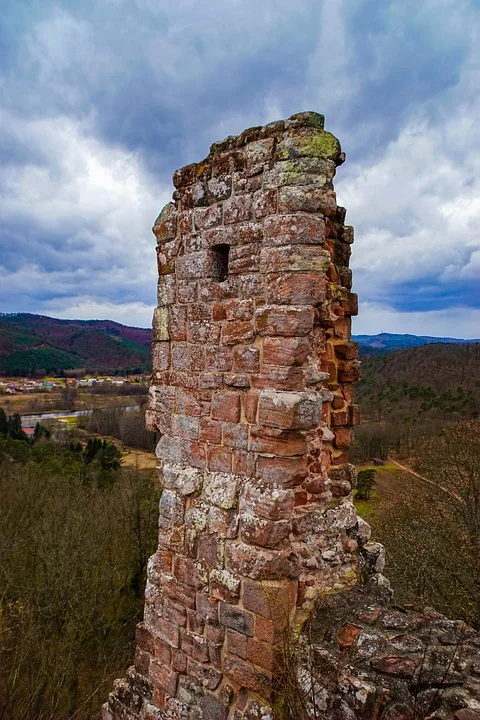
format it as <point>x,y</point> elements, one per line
<point>102,101</point>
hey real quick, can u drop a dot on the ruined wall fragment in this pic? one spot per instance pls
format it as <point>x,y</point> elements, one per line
<point>252,395</point>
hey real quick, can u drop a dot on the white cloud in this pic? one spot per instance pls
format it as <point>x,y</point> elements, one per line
<point>135,314</point>
<point>85,211</point>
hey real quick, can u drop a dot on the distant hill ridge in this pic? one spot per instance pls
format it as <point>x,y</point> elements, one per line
<point>36,344</point>
<point>30,344</point>
<point>383,342</point>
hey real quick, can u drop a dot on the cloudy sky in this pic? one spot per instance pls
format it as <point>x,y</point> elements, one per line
<point>101,100</point>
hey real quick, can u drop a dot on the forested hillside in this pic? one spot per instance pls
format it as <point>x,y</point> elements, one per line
<point>39,345</point>
<point>428,381</point>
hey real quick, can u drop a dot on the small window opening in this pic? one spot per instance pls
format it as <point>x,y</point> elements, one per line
<point>220,254</point>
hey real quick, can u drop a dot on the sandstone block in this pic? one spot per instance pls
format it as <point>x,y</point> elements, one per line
<point>160,324</point>
<point>220,187</point>
<point>237,331</point>
<point>296,289</point>
<point>220,489</point>
<point>257,154</point>
<point>163,677</point>
<point>210,431</point>
<point>320,144</point>
<point>231,616</point>
<point>246,359</point>
<point>219,358</point>
<point>287,321</point>
<point>268,502</point>
<point>160,357</point>
<point>219,459</point>
<point>260,654</point>
<point>237,643</point>
<point>166,291</point>
<point>273,441</point>
<point>226,406</point>
<point>184,481</point>
<point>260,563</point>
<point>244,259</point>
<point>286,351</point>
<point>308,171</point>
<point>246,676</point>
<point>289,410</point>
<point>307,199</point>
<point>235,436</point>
<point>282,471</point>
<point>264,203</point>
<point>209,217</point>
<point>184,426</point>
<point>237,209</point>
<point>265,533</point>
<point>298,229</point>
<point>201,264</point>
<point>250,405</point>
<point>281,378</point>
<point>294,258</point>
<point>165,225</point>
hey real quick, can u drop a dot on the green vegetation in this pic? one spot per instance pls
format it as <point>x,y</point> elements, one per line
<point>76,531</point>
<point>365,483</point>
<point>37,345</point>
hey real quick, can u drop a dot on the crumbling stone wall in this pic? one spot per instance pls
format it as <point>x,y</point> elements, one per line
<point>252,394</point>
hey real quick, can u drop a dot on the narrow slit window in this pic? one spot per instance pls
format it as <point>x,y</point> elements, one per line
<point>221,253</point>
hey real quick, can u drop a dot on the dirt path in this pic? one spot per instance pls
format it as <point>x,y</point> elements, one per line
<point>424,479</point>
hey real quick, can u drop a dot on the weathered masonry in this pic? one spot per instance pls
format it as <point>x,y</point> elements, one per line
<point>252,394</point>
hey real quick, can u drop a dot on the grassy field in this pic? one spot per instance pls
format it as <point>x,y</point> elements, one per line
<point>389,482</point>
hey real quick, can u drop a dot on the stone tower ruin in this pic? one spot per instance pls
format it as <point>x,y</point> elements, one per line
<point>252,396</point>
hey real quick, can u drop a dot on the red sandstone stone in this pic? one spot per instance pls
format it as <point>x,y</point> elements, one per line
<point>246,359</point>
<point>237,209</point>
<point>163,677</point>
<point>307,199</point>
<point>264,203</point>
<point>244,675</point>
<point>235,436</point>
<point>285,351</point>
<point>243,463</point>
<point>235,618</point>
<point>226,406</point>
<point>268,631</point>
<point>280,378</point>
<point>263,532</point>
<point>244,259</point>
<point>347,634</point>
<point>195,646</point>
<point>260,654</point>
<point>294,258</point>
<point>237,331</point>
<point>273,601</point>
<point>237,643</point>
<point>294,229</point>
<point>287,472</point>
<point>210,431</point>
<point>220,459</point>
<point>296,289</point>
<point>343,437</point>
<point>250,405</point>
<point>296,411</point>
<point>288,321</point>
<point>273,441</point>
<point>219,358</point>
